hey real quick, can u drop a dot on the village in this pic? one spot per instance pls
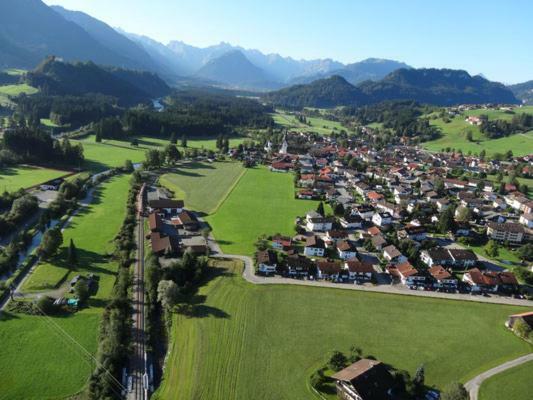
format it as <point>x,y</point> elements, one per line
<point>401,216</point>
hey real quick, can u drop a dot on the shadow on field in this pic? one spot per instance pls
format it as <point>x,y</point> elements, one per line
<point>6,316</point>
<point>195,307</point>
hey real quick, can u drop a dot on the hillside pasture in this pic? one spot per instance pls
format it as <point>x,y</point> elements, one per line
<point>246,341</point>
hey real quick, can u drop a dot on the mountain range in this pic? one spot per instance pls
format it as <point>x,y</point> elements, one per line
<point>30,31</point>
<point>442,87</point>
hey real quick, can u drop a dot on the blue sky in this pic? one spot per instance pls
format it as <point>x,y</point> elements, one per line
<point>490,37</point>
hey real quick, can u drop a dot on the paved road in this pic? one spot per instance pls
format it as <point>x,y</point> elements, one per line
<point>250,276</point>
<point>473,385</point>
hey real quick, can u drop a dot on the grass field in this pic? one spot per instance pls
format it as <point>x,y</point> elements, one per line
<point>513,384</point>
<point>203,186</point>
<point>14,90</point>
<point>14,178</point>
<point>113,153</point>
<point>38,363</point>
<point>454,135</point>
<point>261,203</point>
<point>264,341</point>
<point>318,125</point>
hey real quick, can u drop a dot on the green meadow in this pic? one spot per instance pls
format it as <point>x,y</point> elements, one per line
<point>316,124</point>
<point>261,203</point>
<point>514,384</point>
<point>247,341</point>
<point>25,176</point>
<point>112,153</point>
<point>454,135</point>
<point>37,360</point>
<point>203,186</point>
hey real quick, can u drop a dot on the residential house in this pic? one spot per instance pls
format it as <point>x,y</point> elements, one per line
<point>351,222</point>
<point>359,271</point>
<point>393,255</point>
<point>382,219</point>
<point>442,279</point>
<point>526,220</point>
<point>489,281</point>
<point>281,243</point>
<point>409,275</point>
<point>448,257</point>
<point>298,266</point>
<point>346,250</point>
<point>526,317</point>
<point>328,269</point>
<point>508,231</point>
<point>314,247</point>
<point>266,262</point>
<point>186,220</point>
<point>378,242</point>
<point>167,207</point>
<point>413,232</point>
<point>318,223</point>
<point>364,380</point>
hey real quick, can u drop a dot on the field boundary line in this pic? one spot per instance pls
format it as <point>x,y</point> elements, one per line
<point>226,195</point>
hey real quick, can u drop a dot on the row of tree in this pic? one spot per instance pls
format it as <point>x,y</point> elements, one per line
<point>32,145</point>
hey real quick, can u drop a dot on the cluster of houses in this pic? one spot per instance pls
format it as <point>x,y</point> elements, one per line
<point>173,229</point>
<point>396,196</point>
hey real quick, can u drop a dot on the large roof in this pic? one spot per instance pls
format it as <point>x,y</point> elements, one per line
<point>356,369</point>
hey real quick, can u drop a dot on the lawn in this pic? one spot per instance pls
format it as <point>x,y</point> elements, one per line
<point>113,153</point>
<point>454,136</point>
<point>263,341</point>
<point>513,384</point>
<point>37,362</point>
<point>25,176</point>
<point>203,186</point>
<point>320,125</point>
<point>262,203</point>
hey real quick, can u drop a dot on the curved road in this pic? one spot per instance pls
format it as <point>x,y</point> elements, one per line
<point>473,385</point>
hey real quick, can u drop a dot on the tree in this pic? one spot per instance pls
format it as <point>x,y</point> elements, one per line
<point>491,249</point>
<point>172,153</point>
<point>45,305</point>
<point>454,391</point>
<point>521,328</point>
<point>173,139</point>
<point>355,354</point>
<point>52,239</point>
<point>337,361</point>
<point>339,209</point>
<point>168,293</point>
<point>446,222</point>
<point>464,214</point>
<point>317,379</point>
<point>81,290</point>
<point>72,254</point>
<point>128,166</point>
<point>418,380</point>
<point>320,208</point>
<point>469,136</point>
<point>184,141</point>
<point>526,252</point>
<point>262,243</point>
<point>482,154</point>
